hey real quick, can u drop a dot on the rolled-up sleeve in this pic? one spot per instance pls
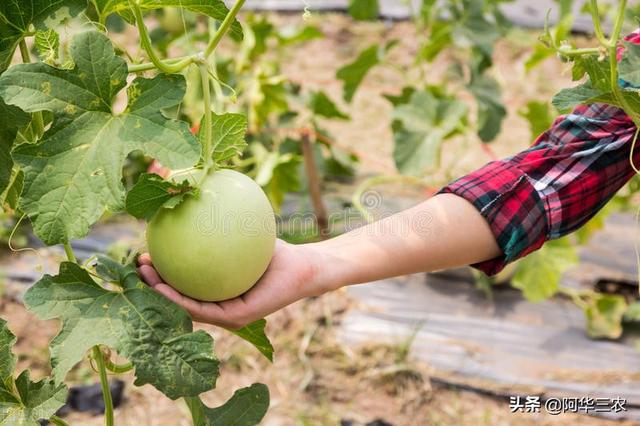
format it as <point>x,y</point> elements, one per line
<point>554,187</point>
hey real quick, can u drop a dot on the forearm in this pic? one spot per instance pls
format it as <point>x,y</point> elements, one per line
<point>444,231</point>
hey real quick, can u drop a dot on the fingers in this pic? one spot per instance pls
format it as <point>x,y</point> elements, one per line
<point>149,275</point>
<point>145,259</point>
<point>227,314</point>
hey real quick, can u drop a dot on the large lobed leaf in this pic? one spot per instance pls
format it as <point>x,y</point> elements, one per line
<point>153,333</point>
<point>17,16</point>
<point>228,131</point>
<point>538,275</point>
<point>23,402</point>
<point>246,407</point>
<point>421,126</point>
<point>74,174</point>
<point>215,9</point>
<point>11,120</point>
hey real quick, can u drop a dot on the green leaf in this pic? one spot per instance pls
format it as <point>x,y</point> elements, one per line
<point>567,99</point>
<point>47,43</point>
<point>288,36</point>
<point>604,314</point>
<point>215,9</point>
<point>74,174</point>
<point>254,333</point>
<point>629,67</point>
<point>491,112</point>
<point>560,33</point>
<point>364,10</point>
<point>153,333</point>
<point>421,126</point>
<point>12,119</point>
<point>229,132</point>
<point>34,401</point>
<point>403,98</point>
<point>152,193</point>
<point>353,73</point>
<point>16,18</point>
<point>7,358</point>
<point>474,28</point>
<point>247,407</point>
<point>632,314</point>
<point>10,197</point>
<point>438,40</point>
<point>321,104</point>
<point>538,274</point>
<point>538,115</point>
<point>23,402</point>
<point>267,96</point>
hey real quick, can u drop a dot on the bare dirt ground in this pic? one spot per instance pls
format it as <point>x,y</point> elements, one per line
<point>314,379</point>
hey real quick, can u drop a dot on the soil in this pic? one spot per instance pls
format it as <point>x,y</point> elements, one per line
<point>313,381</point>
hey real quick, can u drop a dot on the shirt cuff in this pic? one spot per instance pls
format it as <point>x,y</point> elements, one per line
<point>512,207</point>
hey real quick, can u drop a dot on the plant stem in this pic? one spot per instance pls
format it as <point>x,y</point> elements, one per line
<point>315,191</point>
<point>104,383</point>
<point>595,16</point>
<point>99,358</point>
<point>38,122</point>
<point>165,67</point>
<point>581,51</point>
<point>69,252</point>
<point>224,27</point>
<point>147,66</point>
<point>58,421</point>
<point>206,98</point>
<point>117,368</point>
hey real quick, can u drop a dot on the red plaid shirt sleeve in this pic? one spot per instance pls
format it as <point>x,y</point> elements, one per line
<point>553,188</point>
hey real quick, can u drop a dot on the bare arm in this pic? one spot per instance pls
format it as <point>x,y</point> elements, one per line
<point>442,232</point>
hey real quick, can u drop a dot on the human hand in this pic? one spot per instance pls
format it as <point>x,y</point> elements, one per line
<point>293,274</point>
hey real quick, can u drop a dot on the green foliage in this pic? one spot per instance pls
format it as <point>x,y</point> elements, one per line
<point>629,68</point>
<point>491,112</point>
<point>277,173</point>
<point>604,314</point>
<point>539,116</point>
<point>320,104</point>
<point>22,401</point>
<point>538,275</point>
<point>542,51</point>
<point>267,96</point>
<point>364,10</point>
<point>12,119</point>
<point>215,9</point>
<point>47,43</point>
<point>246,407</point>
<point>353,73</point>
<point>421,126</point>
<point>17,17</point>
<point>254,334</point>
<point>125,314</point>
<point>228,136</point>
<point>152,193</point>
<point>10,197</point>
<point>74,173</point>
